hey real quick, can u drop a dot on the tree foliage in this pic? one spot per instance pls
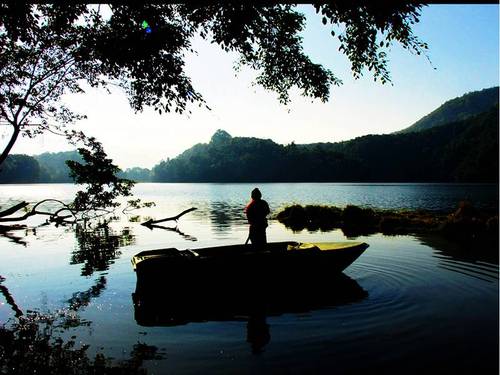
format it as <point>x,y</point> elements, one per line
<point>99,175</point>
<point>47,50</point>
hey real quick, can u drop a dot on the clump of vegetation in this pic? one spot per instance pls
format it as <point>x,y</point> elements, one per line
<point>465,222</point>
<point>298,217</point>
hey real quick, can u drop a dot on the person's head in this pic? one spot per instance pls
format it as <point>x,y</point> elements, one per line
<point>256,194</point>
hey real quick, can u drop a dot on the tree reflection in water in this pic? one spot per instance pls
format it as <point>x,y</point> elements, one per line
<point>98,247</point>
<point>33,341</point>
<point>224,215</point>
<point>6,231</point>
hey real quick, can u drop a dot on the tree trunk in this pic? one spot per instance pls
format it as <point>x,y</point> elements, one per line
<point>9,146</point>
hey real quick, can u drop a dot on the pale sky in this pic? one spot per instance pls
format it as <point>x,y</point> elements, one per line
<point>463,50</point>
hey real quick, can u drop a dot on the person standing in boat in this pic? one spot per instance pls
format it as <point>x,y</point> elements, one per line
<point>256,212</point>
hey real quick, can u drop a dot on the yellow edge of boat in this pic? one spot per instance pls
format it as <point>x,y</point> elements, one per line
<point>325,246</point>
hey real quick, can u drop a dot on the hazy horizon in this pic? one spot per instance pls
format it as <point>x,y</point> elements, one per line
<point>463,51</point>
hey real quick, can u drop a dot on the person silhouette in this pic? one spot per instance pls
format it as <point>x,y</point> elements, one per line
<point>256,212</point>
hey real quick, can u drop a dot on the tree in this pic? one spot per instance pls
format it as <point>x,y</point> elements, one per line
<point>47,50</point>
<point>102,187</point>
<point>35,72</point>
<point>99,174</point>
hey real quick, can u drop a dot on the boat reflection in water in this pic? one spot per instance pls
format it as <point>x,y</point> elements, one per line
<point>171,306</point>
<point>174,305</point>
<point>238,283</point>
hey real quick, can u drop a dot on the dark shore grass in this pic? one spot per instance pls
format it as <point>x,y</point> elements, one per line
<point>466,222</point>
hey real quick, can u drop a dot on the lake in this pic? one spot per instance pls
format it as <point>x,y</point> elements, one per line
<point>418,303</point>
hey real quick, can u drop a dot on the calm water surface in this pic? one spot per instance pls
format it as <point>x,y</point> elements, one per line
<point>425,303</point>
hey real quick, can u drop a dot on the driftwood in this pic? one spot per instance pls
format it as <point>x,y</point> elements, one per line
<point>151,223</point>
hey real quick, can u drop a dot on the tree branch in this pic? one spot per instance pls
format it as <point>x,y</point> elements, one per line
<point>49,92</point>
<point>54,216</point>
<point>11,210</point>
<point>150,222</point>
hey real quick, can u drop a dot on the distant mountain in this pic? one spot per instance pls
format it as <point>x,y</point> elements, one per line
<point>457,109</point>
<point>53,166</point>
<point>136,174</point>
<point>460,151</point>
<point>50,167</point>
<point>19,169</point>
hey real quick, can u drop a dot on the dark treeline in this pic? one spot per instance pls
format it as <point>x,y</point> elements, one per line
<point>50,167</point>
<point>20,169</point>
<point>238,159</point>
<point>464,151</point>
<point>47,167</point>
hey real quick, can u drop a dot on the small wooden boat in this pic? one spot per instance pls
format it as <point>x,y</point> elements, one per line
<point>238,266</point>
<point>219,283</point>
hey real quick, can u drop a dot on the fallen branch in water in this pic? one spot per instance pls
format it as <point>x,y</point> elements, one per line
<point>53,216</point>
<point>11,210</point>
<point>151,222</point>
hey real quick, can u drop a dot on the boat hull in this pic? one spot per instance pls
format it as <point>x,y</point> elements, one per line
<point>176,287</point>
<point>239,267</point>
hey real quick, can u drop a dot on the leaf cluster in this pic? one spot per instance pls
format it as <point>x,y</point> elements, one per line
<point>368,30</point>
<point>98,174</point>
<point>63,45</point>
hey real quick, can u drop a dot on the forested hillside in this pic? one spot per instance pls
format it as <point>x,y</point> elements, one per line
<point>239,159</point>
<point>50,167</point>
<point>470,104</point>
<point>53,166</point>
<point>20,169</point>
<point>462,151</point>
